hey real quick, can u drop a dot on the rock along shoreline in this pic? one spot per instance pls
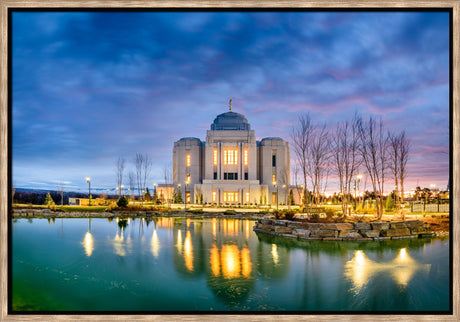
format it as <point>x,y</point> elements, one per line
<point>373,231</point>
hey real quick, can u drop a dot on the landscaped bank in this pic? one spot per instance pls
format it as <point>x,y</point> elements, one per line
<point>344,231</point>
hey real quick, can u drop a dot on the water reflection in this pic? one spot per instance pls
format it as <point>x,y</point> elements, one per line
<point>188,250</point>
<point>155,244</point>
<point>120,245</point>
<point>88,244</point>
<point>360,269</point>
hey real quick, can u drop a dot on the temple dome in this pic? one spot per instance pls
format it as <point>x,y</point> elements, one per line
<point>230,121</point>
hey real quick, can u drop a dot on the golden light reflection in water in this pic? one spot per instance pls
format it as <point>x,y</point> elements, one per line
<point>155,244</point>
<point>214,227</point>
<point>120,245</point>
<point>275,254</point>
<point>360,268</point>
<point>188,251</point>
<point>230,227</point>
<point>179,241</point>
<point>88,244</point>
<point>230,261</point>
<point>248,228</point>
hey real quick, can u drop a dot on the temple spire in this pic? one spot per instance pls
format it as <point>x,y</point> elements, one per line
<point>230,104</point>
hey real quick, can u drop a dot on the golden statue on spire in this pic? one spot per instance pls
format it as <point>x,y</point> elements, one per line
<point>230,103</point>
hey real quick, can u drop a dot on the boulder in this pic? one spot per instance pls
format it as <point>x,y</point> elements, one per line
<point>302,232</point>
<point>396,232</point>
<point>380,226</point>
<point>398,225</point>
<point>295,224</point>
<point>280,222</point>
<point>352,235</point>
<point>283,230</point>
<point>414,223</point>
<point>337,226</point>
<point>362,226</point>
<point>370,233</point>
<point>312,226</point>
<point>323,233</point>
<point>345,233</point>
<point>420,230</point>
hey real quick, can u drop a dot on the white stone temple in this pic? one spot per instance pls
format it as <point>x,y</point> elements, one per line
<point>231,167</point>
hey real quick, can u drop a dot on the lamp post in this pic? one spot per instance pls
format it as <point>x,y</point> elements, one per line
<point>304,195</point>
<point>88,179</point>
<point>121,187</point>
<point>155,193</point>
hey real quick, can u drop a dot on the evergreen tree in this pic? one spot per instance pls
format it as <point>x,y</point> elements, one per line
<point>178,197</point>
<point>390,203</point>
<point>49,200</point>
<point>147,196</point>
<point>291,198</point>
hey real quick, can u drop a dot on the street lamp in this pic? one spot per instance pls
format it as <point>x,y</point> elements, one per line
<point>178,187</point>
<point>88,179</point>
<point>275,185</point>
<point>304,195</point>
<point>121,188</point>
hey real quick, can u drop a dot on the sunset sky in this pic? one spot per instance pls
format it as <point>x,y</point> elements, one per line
<point>89,87</point>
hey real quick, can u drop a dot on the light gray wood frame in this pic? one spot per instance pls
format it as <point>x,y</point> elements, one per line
<point>5,4</point>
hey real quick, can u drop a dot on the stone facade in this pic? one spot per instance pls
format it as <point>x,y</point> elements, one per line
<point>231,166</point>
<point>344,231</point>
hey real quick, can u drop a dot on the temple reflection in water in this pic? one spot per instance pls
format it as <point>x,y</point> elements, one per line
<point>230,256</point>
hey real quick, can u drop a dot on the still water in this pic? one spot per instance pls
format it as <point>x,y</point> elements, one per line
<point>179,264</point>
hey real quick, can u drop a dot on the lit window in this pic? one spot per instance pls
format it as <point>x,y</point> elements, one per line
<point>187,160</point>
<point>231,156</point>
<point>273,177</point>
<point>187,179</point>
<point>246,152</point>
<point>247,196</point>
<point>230,196</point>
<point>215,156</point>
<point>214,196</point>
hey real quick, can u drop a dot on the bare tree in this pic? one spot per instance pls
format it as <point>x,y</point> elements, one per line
<point>131,183</point>
<point>60,189</point>
<point>168,180</point>
<point>318,160</point>
<point>301,135</point>
<point>399,155</point>
<point>143,166</point>
<point>373,150</point>
<point>120,166</point>
<point>404,149</point>
<point>346,160</point>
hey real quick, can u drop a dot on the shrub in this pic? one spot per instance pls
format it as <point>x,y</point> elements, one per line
<point>123,202</point>
<point>196,211</point>
<point>289,215</point>
<point>229,212</point>
<point>314,216</point>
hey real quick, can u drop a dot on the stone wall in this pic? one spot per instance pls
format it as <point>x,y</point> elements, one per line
<point>344,231</point>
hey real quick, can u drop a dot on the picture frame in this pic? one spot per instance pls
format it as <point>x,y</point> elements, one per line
<point>5,147</point>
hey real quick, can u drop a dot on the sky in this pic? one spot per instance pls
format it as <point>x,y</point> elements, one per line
<point>90,87</point>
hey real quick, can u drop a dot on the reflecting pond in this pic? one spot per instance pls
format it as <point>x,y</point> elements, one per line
<point>183,264</point>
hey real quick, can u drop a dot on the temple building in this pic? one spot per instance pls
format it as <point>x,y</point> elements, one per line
<point>231,167</point>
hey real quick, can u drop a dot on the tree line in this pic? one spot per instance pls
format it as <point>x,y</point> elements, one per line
<point>350,147</point>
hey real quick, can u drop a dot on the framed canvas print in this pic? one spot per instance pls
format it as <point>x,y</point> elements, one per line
<point>215,160</point>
